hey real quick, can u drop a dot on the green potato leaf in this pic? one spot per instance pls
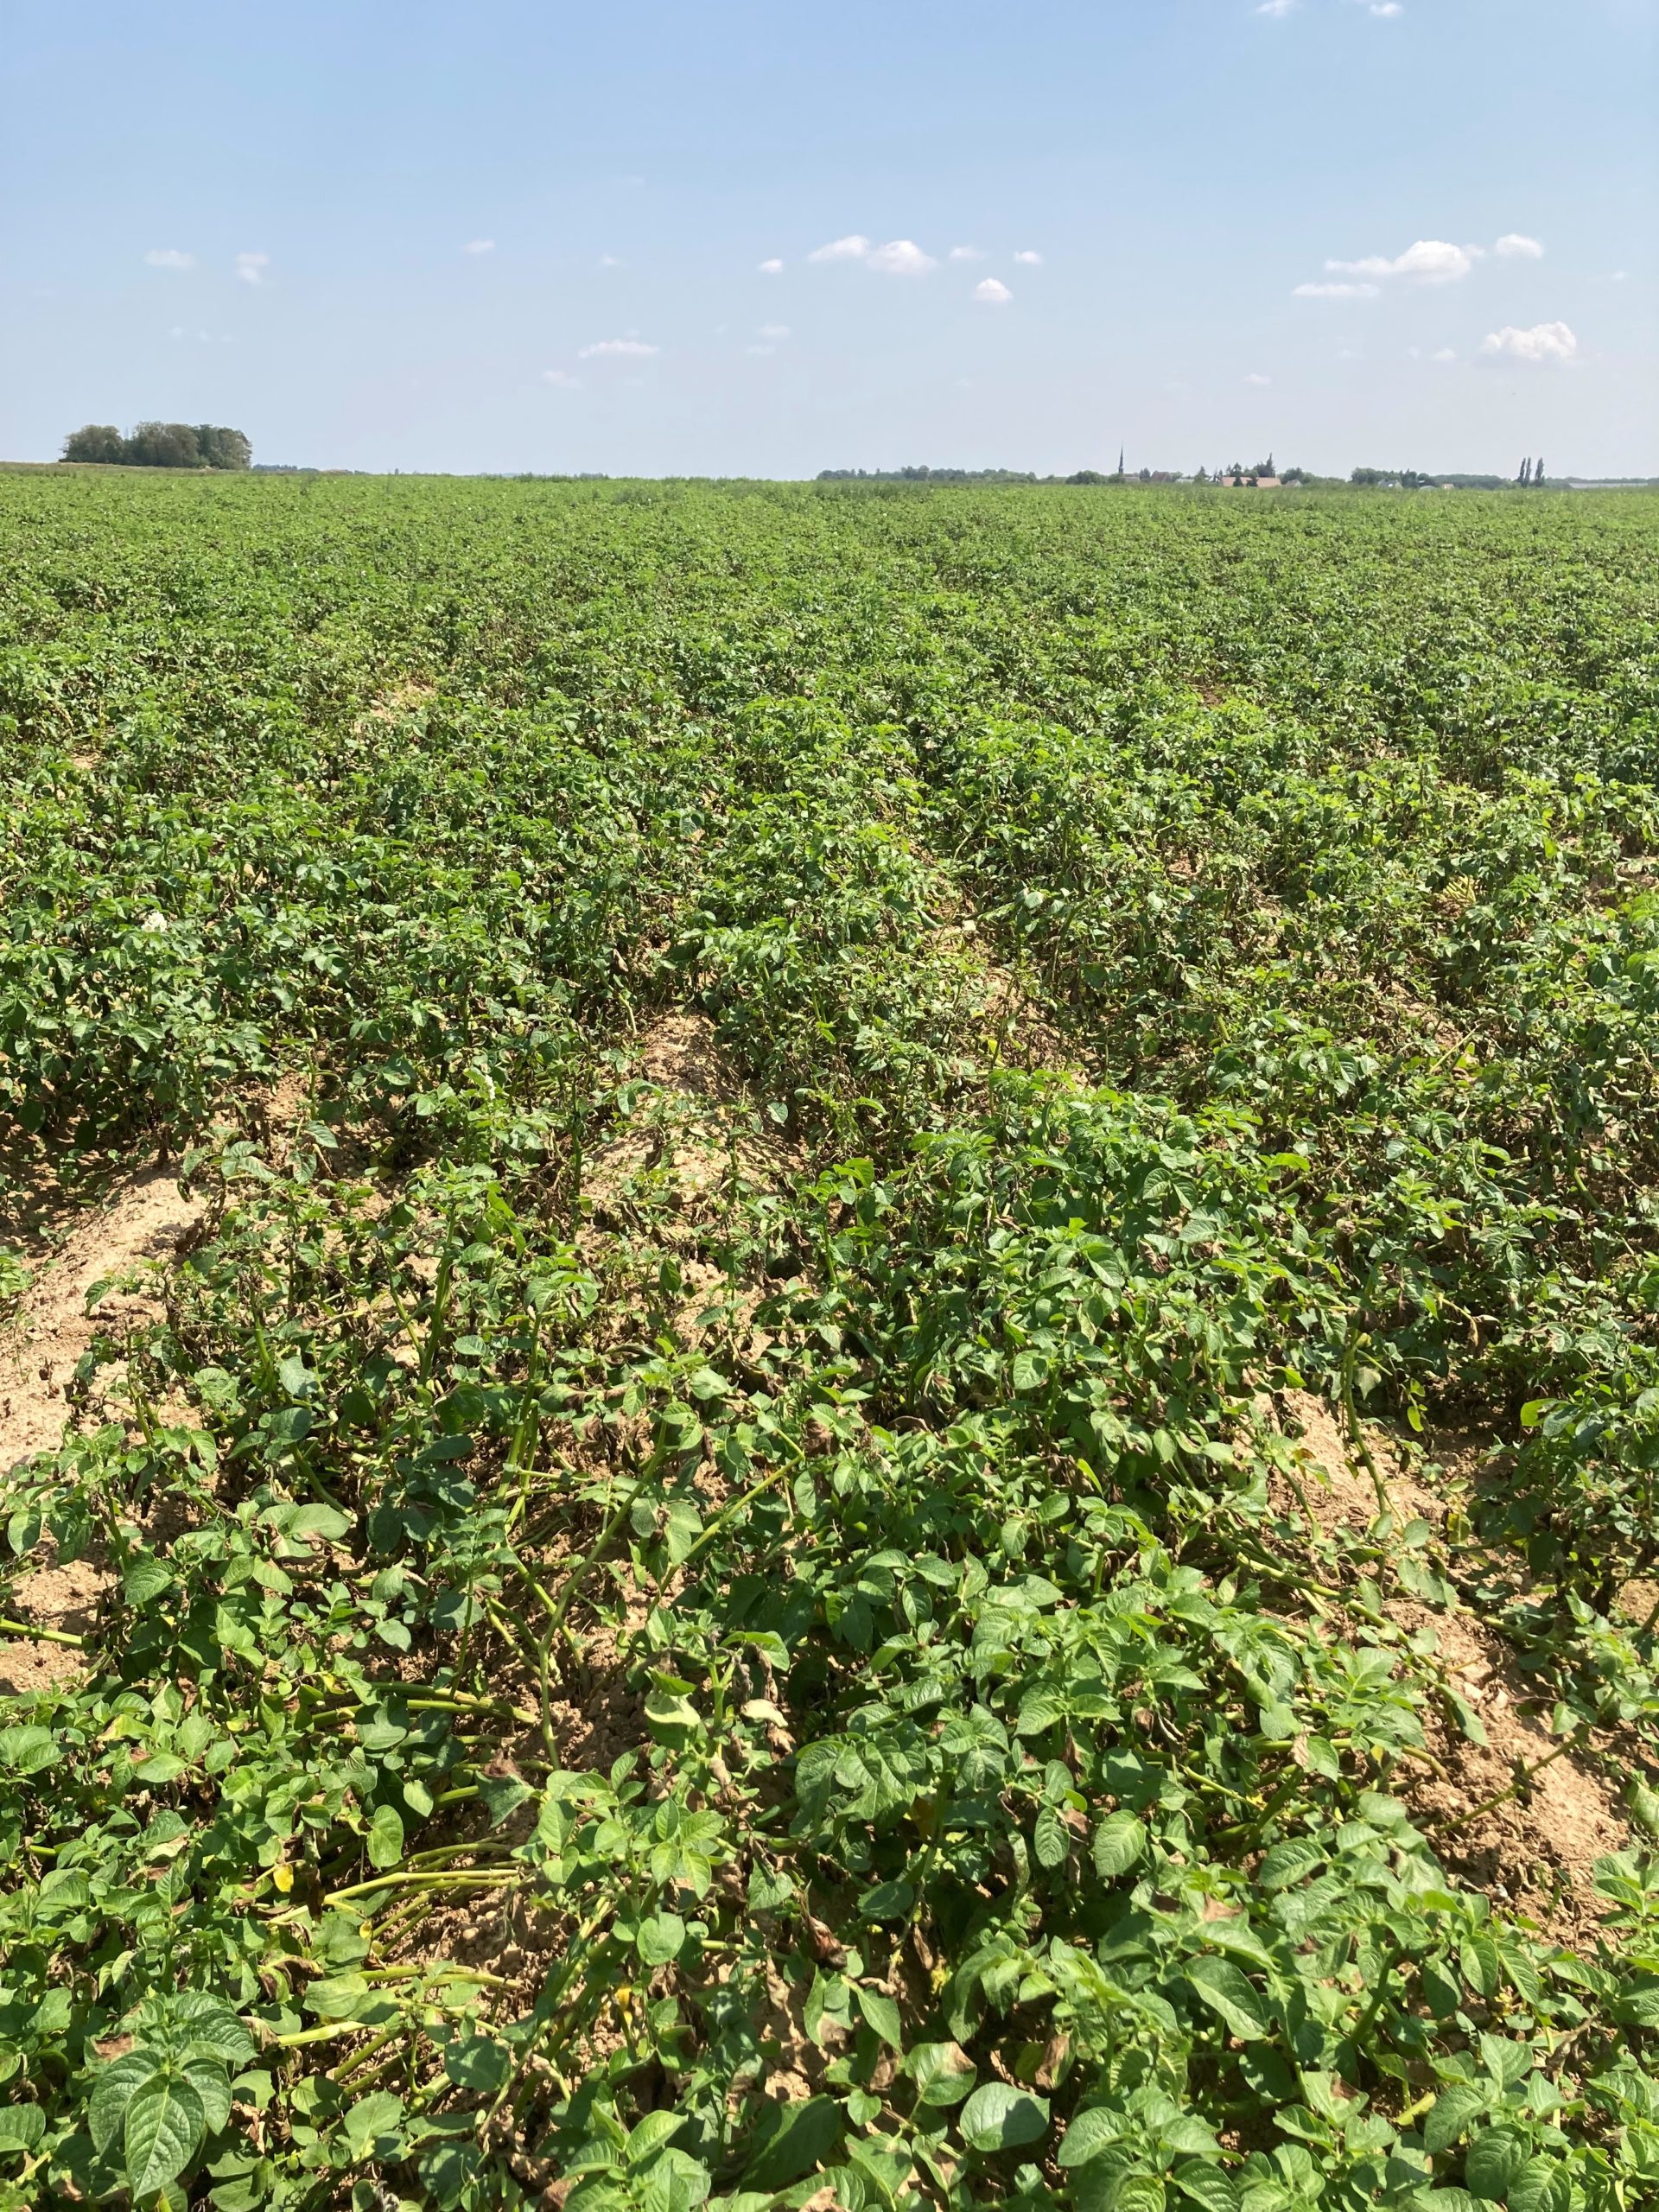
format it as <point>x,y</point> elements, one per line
<point>998,2118</point>
<point>162,2126</point>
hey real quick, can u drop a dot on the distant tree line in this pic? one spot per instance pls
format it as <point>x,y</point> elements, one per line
<point>1418,480</point>
<point>1085,476</point>
<point>1531,476</point>
<point>1397,480</point>
<point>161,445</point>
<point>926,476</point>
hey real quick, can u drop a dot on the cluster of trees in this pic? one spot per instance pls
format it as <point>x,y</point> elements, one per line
<point>1255,472</point>
<point>161,445</point>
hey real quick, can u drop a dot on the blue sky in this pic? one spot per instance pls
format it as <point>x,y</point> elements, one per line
<point>517,236</point>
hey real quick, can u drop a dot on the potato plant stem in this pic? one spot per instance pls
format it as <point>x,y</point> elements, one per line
<point>43,1634</point>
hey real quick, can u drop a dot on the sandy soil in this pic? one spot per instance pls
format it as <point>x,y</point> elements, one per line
<point>685,1146</point>
<point>1538,1850</point>
<point>138,1228</point>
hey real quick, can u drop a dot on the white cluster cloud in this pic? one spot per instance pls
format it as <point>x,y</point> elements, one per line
<point>901,258</point>
<point>904,257</point>
<point>1546,344</point>
<point>772,267</point>
<point>251,267</point>
<point>1256,377</point>
<point>774,330</point>
<point>1276,7</point>
<point>897,258</point>
<point>478,245</point>
<point>168,256</point>
<point>561,380</point>
<point>626,349</point>
<point>1429,261</point>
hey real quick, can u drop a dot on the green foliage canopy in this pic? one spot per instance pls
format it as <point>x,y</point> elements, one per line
<point>705,1592</point>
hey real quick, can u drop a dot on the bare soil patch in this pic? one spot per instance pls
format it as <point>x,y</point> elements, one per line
<point>1538,1849</point>
<point>680,1050</point>
<point>1021,1034</point>
<point>62,1596</point>
<point>679,1152</point>
<point>398,700</point>
<point>144,1222</point>
<point>1342,1494</point>
<point>140,1228</point>
<point>275,1115</point>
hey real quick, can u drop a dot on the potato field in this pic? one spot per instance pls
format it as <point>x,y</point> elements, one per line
<point>828,1347</point>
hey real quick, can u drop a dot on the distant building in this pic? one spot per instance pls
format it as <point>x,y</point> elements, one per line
<point>1253,483</point>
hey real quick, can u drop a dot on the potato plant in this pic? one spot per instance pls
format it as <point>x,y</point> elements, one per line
<point>705,1594</point>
